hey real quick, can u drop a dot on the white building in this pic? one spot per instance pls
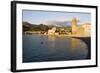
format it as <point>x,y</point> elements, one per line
<point>87,29</point>
<point>52,31</point>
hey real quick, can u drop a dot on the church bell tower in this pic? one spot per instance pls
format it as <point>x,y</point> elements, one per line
<point>74,26</point>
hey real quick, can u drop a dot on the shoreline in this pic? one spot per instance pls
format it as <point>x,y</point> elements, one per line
<point>63,35</point>
<point>87,40</point>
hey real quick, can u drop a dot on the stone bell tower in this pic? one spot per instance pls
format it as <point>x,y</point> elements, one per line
<point>74,26</point>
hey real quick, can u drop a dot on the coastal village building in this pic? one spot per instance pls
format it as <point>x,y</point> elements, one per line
<point>87,30</point>
<point>77,30</point>
<point>52,31</point>
<point>82,30</point>
<point>62,31</point>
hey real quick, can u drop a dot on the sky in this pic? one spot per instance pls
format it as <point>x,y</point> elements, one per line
<point>38,17</point>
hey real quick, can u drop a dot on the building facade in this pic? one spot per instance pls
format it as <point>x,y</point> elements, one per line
<point>82,30</point>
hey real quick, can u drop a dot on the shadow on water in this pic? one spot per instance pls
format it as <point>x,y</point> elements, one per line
<point>87,40</point>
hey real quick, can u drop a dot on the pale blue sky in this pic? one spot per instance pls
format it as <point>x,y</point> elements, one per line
<point>37,17</point>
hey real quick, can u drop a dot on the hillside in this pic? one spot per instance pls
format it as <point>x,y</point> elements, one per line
<point>41,27</point>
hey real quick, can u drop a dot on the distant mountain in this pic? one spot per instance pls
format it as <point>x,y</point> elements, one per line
<point>59,23</point>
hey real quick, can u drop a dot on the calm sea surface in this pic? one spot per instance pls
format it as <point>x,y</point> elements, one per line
<point>40,48</point>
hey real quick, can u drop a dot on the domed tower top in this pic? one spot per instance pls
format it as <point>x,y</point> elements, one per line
<point>74,21</point>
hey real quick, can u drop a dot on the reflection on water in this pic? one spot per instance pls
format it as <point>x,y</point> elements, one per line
<point>39,48</point>
<point>79,48</point>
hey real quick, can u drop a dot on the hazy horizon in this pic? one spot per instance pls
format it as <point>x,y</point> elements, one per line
<point>45,17</point>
